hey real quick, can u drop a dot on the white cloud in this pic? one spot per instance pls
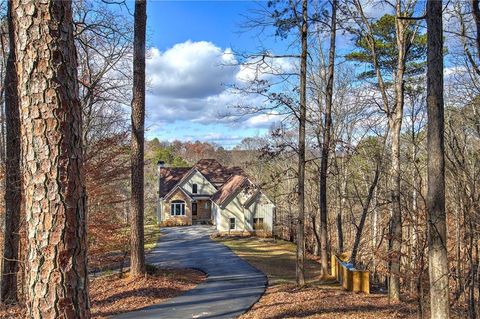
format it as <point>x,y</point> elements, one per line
<point>264,68</point>
<point>190,82</point>
<point>190,70</point>
<point>263,120</point>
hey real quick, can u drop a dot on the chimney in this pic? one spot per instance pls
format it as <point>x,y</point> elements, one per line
<point>160,165</point>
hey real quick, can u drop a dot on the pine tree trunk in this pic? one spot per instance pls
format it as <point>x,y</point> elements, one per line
<point>300,271</point>
<point>51,131</point>
<point>137,267</point>
<point>326,147</point>
<point>9,293</point>
<point>395,244</point>
<point>437,225</point>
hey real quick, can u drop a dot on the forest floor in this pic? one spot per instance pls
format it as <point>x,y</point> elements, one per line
<point>111,295</point>
<point>110,259</point>
<point>318,299</point>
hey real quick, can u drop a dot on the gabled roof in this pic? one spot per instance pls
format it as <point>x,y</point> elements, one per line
<point>213,171</point>
<point>186,176</point>
<point>174,189</point>
<point>234,183</point>
<point>170,177</point>
<point>228,181</point>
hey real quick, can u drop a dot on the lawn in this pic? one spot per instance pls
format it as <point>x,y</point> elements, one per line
<point>318,299</point>
<point>275,258</point>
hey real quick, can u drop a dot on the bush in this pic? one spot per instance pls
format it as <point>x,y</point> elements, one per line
<point>172,222</point>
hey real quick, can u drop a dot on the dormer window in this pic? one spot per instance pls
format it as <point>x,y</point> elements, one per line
<point>194,189</point>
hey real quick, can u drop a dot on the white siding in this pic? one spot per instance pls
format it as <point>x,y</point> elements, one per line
<point>261,207</point>
<point>204,186</point>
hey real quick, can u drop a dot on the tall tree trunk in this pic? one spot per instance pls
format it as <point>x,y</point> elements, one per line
<point>343,205</point>
<point>300,269</point>
<point>374,234</point>
<point>51,132</point>
<point>326,146</point>
<point>395,243</point>
<point>395,123</point>
<point>437,224</point>
<point>137,267</point>
<point>13,185</point>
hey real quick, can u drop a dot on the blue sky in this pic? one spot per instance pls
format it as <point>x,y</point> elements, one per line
<point>192,63</point>
<point>190,67</point>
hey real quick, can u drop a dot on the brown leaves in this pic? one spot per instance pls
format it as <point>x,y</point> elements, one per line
<point>284,301</point>
<point>111,295</point>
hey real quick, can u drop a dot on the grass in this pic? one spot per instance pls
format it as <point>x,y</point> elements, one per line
<point>275,258</point>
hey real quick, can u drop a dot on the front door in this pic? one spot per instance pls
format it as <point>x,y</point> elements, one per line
<point>194,211</point>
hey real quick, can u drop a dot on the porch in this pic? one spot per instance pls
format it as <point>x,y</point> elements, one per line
<point>201,211</point>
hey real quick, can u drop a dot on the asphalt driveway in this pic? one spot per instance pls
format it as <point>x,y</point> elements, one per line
<point>231,288</point>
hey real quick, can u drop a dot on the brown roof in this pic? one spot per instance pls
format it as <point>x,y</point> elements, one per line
<point>215,172</point>
<point>229,188</point>
<point>170,176</point>
<point>227,180</point>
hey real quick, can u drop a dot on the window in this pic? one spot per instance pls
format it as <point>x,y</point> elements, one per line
<point>194,188</point>
<point>178,208</point>
<point>258,223</point>
<point>232,223</point>
<point>206,204</point>
<point>194,208</point>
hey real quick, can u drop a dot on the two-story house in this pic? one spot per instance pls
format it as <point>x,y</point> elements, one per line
<point>208,192</point>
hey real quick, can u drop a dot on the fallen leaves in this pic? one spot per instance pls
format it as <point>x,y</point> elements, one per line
<point>111,295</point>
<point>285,301</point>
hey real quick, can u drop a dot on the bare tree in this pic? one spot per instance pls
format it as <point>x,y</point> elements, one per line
<point>437,223</point>
<point>51,133</point>
<point>137,267</point>
<point>300,269</point>
<point>326,145</point>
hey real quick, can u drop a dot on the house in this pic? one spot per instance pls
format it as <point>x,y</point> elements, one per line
<point>210,193</point>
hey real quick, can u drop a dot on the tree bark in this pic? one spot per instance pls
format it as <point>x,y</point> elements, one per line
<point>13,186</point>
<point>51,131</point>
<point>300,267</point>
<point>395,122</point>
<point>437,225</point>
<point>326,146</point>
<point>137,267</point>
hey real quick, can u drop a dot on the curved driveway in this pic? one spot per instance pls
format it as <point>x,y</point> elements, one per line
<point>231,288</point>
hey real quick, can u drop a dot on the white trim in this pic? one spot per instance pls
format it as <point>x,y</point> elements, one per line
<point>173,192</point>
<point>230,223</point>
<point>174,205</point>
<point>196,170</point>
<point>184,179</point>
